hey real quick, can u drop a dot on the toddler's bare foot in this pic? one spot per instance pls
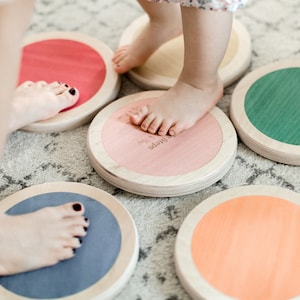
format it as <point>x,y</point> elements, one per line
<point>39,101</point>
<point>178,109</point>
<point>155,34</point>
<point>40,239</point>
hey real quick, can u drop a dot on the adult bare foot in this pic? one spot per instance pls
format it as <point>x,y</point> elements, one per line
<point>40,239</point>
<point>39,101</point>
<point>178,109</point>
<point>156,33</point>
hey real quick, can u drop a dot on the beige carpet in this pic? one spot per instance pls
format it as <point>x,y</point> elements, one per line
<point>32,158</point>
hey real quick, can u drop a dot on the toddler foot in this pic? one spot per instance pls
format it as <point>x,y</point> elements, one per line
<point>155,34</point>
<point>40,239</point>
<point>39,101</point>
<point>178,109</point>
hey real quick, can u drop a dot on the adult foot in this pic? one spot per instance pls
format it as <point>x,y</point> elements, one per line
<point>155,34</point>
<point>40,101</point>
<point>177,109</point>
<point>40,239</point>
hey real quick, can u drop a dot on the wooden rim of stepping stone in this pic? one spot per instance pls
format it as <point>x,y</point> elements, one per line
<point>241,243</point>
<point>159,166</point>
<point>265,110</point>
<point>78,60</point>
<point>102,265</point>
<point>164,66</point>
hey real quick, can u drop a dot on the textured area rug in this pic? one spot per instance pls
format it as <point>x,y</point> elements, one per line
<point>33,158</point>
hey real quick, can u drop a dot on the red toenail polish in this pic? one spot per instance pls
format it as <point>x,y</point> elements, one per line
<point>72,91</point>
<point>77,207</point>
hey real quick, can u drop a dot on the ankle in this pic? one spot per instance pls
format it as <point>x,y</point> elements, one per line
<point>203,83</point>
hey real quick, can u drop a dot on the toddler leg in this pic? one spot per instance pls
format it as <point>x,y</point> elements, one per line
<point>164,24</point>
<point>199,88</point>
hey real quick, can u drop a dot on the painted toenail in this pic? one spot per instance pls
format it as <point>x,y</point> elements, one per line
<point>72,91</point>
<point>77,207</point>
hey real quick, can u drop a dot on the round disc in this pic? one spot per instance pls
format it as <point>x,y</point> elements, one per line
<point>265,110</point>
<point>159,166</point>
<point>164,66</point>
<point>78,60</point>
<point>101,266</point>
<point>242,243</point>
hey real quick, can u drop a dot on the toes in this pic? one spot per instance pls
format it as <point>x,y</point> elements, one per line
<point>119,60</point>
<point>79,231</point>
<point>164,128</point>
<point>66,253</point>
<point>180,127</point>
<point>150,122</point>
<point>176,129</point>
<point>71,209</point>
<point>120,67</point>
<point>155,125</point>
<point>68,98</point>
<point>119,54</point>
<point>26,84</point>
<point>172,132</point>
<point>58,87</point>
<point>118,57</point>
<point>147,122</point>
<point>140,116</point>
<point>74,242</point>
<point>77,207</point>
<point>41,83</point>
<point>55,84</point>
